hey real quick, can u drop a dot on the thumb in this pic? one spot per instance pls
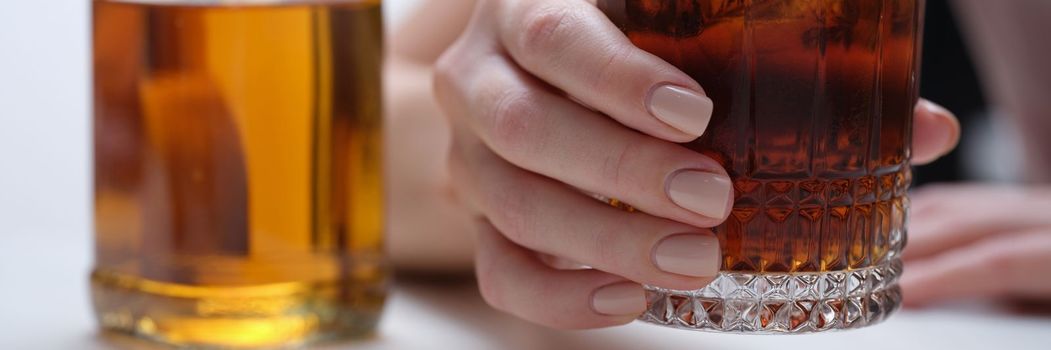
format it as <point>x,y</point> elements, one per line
<point>936,132</point>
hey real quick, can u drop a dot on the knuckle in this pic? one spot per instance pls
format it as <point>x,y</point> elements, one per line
<point>616,168</point>
<point>447,69</point>
<point>456,57</point>
<point>999,254</point>
<point>1001,259</point>
<point>513,214</point>
<point>542,28</point>
<point>612,71</point>
<point>513,117</point>
<point>997,262</point>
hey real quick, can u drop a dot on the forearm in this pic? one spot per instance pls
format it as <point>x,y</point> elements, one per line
<point>430,29</point>
<point>428,228</point>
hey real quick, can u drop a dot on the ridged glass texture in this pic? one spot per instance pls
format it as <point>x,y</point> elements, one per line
<point>813,121</point>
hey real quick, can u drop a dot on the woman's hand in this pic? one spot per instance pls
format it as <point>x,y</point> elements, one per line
<point>524,154</point>
<point>978,241</point>
<point>548,101</point>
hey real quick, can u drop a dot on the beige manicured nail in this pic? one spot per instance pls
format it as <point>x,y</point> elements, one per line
<point>681,108</point>
<point>694,255</point>
<point>935,108</point>
<point>949,139</point>
<point>619,299</point>
<point>701,192</point>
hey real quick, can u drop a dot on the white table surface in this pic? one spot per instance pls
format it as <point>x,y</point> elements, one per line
<point>44,305</point>
<point>45,240</point>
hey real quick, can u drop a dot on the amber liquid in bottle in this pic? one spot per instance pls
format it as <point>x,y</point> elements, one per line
<point>238,171</point>
<point>813,121</point>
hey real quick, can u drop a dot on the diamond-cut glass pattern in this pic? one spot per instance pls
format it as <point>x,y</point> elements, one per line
<point>813,116</point>
<point>815,224</point>
<point>781,303</point>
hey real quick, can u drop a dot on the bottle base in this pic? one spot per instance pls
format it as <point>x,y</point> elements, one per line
<point>781,303</point>
<point>260,316</point>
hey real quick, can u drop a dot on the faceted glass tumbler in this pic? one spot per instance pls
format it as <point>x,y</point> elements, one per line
<point>813,121</point>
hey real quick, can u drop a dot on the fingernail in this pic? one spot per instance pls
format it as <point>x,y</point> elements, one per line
<point>694,255</point>
<point>701,192</point>
<point>682,109</point>
<point>953,137</point>
<point>935,108</point>
<point>619,299</point>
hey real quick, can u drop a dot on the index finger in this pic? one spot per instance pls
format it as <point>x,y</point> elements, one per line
<point>574,47</point>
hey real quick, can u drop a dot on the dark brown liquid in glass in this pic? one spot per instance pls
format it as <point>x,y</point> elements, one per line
<point>813,120</point>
